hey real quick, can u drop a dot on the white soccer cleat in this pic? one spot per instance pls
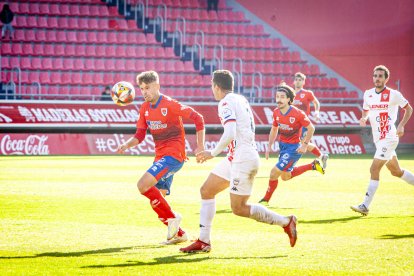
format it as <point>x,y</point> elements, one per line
<point>360,209</point>
<point>176,240</point>
<point>173,226</point>
<point>324,160</point>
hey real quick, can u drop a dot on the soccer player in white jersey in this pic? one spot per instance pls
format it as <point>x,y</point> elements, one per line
<point>238,170</point>
<point>381,108</point>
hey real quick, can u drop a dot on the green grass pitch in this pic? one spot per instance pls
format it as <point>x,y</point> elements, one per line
<point>83,215</point>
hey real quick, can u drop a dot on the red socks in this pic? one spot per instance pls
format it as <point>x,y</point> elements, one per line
<point>270,189</point>
<point>316,152</point>
<point>301,169</point>
<point>160,206</point>
<point>158,203</point>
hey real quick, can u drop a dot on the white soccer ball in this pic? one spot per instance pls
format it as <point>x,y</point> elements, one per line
<point>123,93</point>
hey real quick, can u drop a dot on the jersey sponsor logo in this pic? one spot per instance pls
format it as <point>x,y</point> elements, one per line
<point>384,124</point>
<point>154,125</point>
<point>285,127</point>
<point>379,106</point>
<point>164,111</point>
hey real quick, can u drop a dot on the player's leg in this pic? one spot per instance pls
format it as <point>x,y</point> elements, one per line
<point>385,150</point>
<point>240,189</point>
<point>159,176</point>
<point>275,173</point>
<point>217,181</point>
<point>323,157</point>
<point>395,169</point>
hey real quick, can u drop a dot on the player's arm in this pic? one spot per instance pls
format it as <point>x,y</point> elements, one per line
<point>364,118</point>
<point>310,129</point>
<point>317,106</point>
<point>198,119</point>
<point>272,137</point>
<point>229,135</point>
<point>139,135</point>
<point>407,114</point>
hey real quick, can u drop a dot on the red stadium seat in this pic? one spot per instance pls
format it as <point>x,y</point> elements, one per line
<point>47,63</point>
<point>68,64</point>
<point>55,78</point>
<point>57,63</point>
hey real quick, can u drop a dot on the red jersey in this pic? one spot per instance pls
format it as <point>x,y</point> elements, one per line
<point>290,124</point>
<point>164,120</point>
<point>303,99</point>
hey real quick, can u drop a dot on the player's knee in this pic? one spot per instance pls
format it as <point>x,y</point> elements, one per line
<point>274,174</point>
<point>396,172</point>
<point>237,210</point>
<point>285,177</point>
<point>374,170</point>
<point>142,188</point>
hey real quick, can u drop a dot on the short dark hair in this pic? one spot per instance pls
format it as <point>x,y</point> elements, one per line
<point>300,75</point>
<point>383,68</point>
<point>148,77</point>
<point>290,93</point>
<point>224,79</point>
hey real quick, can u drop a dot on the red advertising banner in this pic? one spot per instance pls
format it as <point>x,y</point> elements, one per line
<point>98,144</point>
<point>23,113</point>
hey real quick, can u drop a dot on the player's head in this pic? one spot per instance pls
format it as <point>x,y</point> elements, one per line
<point>299,81</point>
<point>149,84</point>
<point>222,83</point>
<point>380,76</point>
<point>284,95</point>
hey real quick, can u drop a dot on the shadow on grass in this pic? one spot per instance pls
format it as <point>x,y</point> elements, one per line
<point>396,237</point>
<point>322,221</point>
<point>83,253</point>
<point>180,258</point>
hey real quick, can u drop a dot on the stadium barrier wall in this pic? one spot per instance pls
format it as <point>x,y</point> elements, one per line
<point>59,128</point>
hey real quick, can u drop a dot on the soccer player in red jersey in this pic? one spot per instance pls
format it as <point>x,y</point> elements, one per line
<point>381,106</point>
<point>288,121</point>
<point>163,117</point>
<point>303,100</point>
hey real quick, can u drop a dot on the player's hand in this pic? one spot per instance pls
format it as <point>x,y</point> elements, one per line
<point>198,150</point>
<point>203,156</point>
<point>302,149</point>
<point>122,148</point>
<point>267,153</point>
<point>400,131</point>
<point>363,122</point>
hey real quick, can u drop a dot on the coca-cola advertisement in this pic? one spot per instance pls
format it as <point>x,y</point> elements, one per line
<point>106,144</point>
<point>18,113</point>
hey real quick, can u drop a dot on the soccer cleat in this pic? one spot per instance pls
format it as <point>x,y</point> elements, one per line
<point>173,226</point>
<point>176,239</point>
<point>264,202</point>
<point>197,246</point>
<point>324,160</point>
<point>316,166</point>
<point>360,209</point>
<point>290,230</point>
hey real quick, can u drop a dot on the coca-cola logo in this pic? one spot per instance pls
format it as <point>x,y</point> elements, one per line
<point>31,145</point>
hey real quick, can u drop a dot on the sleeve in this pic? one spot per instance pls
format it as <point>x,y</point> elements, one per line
<point>365,105</point>
<point>141,125</point>
<point>275,123</point>
<point>226,113</point>
<point>303,119</point>
<point>188,113</point>
<point>401,101</point>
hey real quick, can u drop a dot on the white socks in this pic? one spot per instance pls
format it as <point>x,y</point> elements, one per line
<point>261,214</point>
<point>408,177</point>
<point>207,212</point>
<point>372,188</point>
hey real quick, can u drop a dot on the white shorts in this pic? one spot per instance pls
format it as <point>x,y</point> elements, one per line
<point>240,175</point>
<point>386,149</point>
